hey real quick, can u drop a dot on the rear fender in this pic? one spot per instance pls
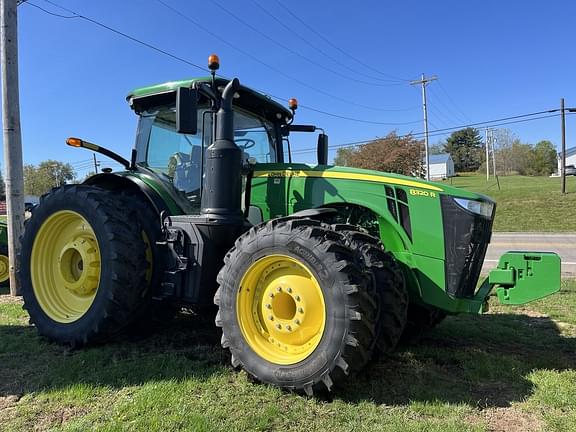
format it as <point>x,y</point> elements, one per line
<point>131,184</point>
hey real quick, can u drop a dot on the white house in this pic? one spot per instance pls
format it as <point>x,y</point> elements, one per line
<point>570,157</point>
<point>441,166</point>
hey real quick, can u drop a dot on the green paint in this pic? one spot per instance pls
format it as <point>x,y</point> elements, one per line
<point>522,277</point>
<point>3,233</point>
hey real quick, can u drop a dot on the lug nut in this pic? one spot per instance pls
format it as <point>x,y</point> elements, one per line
<point>297,298</point>
<point>268,306</point>
<point>289,327</point>
<point>279,289</point>
<point>300,310</point>
<point>270,317</point>
<point>271,295</point>
<point>289,289</point>
<point>297,322</point>
<point>278,326</point>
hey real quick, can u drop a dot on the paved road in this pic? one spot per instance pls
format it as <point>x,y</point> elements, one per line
<point>563,244</point>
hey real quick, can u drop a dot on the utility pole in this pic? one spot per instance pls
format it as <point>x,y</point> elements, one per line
<point>95,164</point>
<point>487,155</point>
<point>493,142</point>
<point>423,81</point>
<point>563,158</point>
<point>12,136</point>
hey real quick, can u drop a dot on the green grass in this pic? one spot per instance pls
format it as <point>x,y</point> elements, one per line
<point>526,203</point>
<point>512,369</point>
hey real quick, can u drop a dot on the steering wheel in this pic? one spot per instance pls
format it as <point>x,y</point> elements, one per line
<point>249,143</point>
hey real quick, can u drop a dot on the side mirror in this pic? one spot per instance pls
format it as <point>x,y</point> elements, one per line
<point>322,149</point>
<point>187,110</point>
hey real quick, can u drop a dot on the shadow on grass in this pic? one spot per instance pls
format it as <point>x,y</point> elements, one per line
<point>480,360</point>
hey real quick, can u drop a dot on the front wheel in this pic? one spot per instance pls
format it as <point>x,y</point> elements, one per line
<point>83,266</point>
<point>293,306</point>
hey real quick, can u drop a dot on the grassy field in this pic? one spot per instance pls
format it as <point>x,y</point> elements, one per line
<point>510,370</point>
<point>526,203</point>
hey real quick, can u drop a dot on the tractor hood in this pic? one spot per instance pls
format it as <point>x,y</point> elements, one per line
<point>364,175</point>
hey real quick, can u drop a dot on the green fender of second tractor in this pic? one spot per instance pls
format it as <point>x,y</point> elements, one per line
<point>522,277</point>
<point>3,233</point>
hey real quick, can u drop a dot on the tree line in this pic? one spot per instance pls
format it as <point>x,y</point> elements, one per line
<point>405,154</point>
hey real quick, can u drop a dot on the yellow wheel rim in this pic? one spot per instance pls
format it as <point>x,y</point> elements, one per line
<point>280,309</point>
<point>4,268</point>
<point>65,266</point>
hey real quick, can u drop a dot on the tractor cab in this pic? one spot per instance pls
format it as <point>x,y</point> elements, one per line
<point>180,157</point>
<point>261,127</point>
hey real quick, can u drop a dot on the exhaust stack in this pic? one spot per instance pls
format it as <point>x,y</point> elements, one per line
<point>221,196</point>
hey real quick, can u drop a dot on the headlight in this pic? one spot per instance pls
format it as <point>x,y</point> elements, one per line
<point>479,207</point>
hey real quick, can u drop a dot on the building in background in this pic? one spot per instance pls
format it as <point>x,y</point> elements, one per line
<point>441,166</point>
<point>570,158</point>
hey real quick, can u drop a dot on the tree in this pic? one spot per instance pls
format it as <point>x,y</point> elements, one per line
<point>392,153</point>
<point>48,174</point>
<point>343,155</point>
<point>545,158</point>
<point>465,147</point>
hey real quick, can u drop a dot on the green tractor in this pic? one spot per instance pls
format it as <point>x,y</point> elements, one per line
<point>4,263</point>
<point>313,268</point>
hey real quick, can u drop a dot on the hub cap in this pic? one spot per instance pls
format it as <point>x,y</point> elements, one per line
<point>280,309</point>
<point>65,266</point>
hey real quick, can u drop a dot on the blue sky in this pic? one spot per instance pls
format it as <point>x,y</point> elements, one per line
<point>493,59</point>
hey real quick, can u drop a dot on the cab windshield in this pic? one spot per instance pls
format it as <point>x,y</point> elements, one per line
<point>178,157</point>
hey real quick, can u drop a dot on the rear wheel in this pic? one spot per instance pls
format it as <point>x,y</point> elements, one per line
<point>4,266</point>
<point>293,306</point>
<point>83,266</point>
<point>388,282</point>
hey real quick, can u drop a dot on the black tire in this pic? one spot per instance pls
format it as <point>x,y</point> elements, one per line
<point>119,291</point>
<point>421,319</point>
<point>388,281</point>
<point>153,310</point>
<point>348,334</point>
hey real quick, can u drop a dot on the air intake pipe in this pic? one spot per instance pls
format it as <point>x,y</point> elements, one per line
<point>222,193</point>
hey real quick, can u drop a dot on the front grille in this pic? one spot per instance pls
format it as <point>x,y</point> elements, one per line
<point>466,238</point>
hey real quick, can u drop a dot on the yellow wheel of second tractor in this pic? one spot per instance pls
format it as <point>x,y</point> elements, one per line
<point>294,306</point>
<point>83,266</point>
<point>4,266</point>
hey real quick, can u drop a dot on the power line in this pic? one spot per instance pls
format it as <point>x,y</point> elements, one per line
<point>325,39</point>
<point>118,32</point>
<point>316,47</point>
<point>445,131</point>
<point>173,56</point>
<point>294,52</point>
<point>269,66</point>
<point>465,117</point>
<point>449,112</point>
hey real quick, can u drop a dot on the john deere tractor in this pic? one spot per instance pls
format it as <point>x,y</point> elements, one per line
<point>313,269</point>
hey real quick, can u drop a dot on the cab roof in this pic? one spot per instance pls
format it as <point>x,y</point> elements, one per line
<point>249,99</point>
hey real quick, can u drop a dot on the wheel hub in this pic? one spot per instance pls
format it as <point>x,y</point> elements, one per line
<point>79,266</point>
<point>281,309</point>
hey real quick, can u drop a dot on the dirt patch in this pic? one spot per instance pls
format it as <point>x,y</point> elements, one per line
<point>511,420</point>
<point>8,410</point>
<point>8,401</point>
<point>51,419</point>
<point>8,299</point>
